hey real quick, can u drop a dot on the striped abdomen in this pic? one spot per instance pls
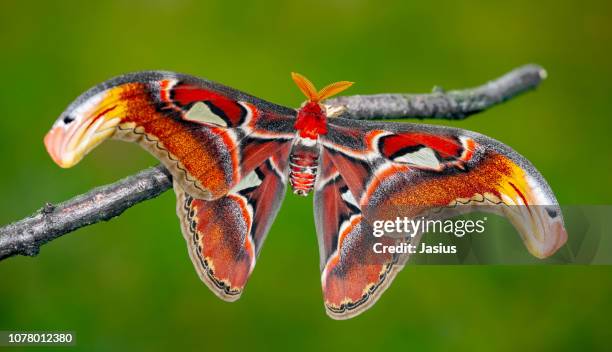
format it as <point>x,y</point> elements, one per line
<point>304,165</point>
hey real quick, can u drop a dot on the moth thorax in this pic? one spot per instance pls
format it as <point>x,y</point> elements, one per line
<point>303,165</point>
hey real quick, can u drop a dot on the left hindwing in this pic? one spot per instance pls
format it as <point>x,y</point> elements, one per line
<point>383,171</point>
<point>224,236</point>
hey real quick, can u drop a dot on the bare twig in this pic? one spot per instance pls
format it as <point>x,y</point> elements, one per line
<point>456,104</point>
<point>103,203</point>
<point>25,236</point>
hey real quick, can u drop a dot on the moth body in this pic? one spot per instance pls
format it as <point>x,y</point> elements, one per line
<point>310,123</point>
<point>303,165</point>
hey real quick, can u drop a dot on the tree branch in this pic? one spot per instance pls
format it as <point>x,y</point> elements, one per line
<point>25,236</point>
<point>100,204</point>
<point>456,104</point>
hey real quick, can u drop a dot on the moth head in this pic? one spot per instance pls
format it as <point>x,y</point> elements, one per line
<point>86,123</point>
<point>311,92</point>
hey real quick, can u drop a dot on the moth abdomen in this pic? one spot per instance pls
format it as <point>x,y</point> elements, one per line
<point>303,166</point>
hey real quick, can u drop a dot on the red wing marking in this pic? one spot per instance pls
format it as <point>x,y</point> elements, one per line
<point>395,145</point>
<point>185,95</point>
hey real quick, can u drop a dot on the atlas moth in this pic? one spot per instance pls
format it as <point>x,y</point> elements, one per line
<point>231,156</point>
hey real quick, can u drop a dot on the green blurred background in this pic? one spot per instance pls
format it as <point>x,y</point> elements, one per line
<point>128,283</point>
